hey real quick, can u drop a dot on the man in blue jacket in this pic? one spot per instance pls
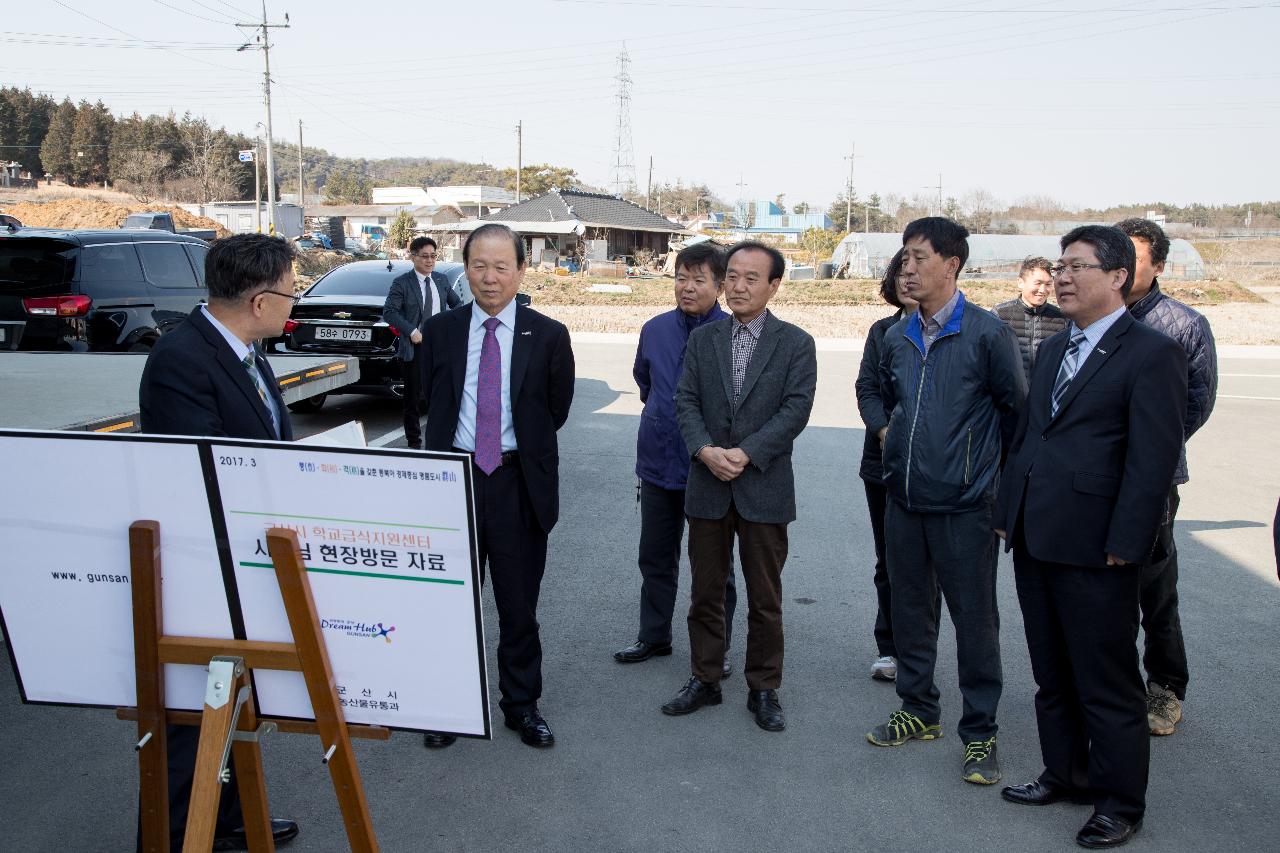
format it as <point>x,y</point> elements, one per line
<point>952,380</point>
<point>662,460</point>
<point>1165,655</point>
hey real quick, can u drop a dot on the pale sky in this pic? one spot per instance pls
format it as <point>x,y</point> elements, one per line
<point>1092,103</point>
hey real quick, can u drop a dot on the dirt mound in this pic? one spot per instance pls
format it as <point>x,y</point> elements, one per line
<point>315,262</point>
<point>92,213</point>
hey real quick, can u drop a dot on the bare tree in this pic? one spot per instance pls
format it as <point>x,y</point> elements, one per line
<point>143,173</point>
<point>207,163</point>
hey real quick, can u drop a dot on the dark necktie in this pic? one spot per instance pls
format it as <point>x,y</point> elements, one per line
<point>1070,364</point>
<point>489,401</point>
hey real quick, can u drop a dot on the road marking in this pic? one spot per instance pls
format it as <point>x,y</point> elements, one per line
<point>384,440</point>
<point>1242,397</point>
<point>1252,375</point>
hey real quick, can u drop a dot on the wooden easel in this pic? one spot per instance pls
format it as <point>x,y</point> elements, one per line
<point>229,723</point>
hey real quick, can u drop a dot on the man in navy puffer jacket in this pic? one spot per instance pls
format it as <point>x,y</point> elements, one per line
<point>662,460</point>
<point>1165,655</point>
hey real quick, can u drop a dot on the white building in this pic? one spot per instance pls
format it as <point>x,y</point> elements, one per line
<point>477,200</point>
<point>238,216</point>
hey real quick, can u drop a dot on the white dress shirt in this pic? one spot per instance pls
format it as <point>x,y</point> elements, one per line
<point>1093,334</point>
<point>241,350</point>
<point>465,436</point>
<point>431,306</point>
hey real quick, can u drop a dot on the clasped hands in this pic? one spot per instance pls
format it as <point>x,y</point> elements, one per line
<point>725,464</point>
<point>415,337</point>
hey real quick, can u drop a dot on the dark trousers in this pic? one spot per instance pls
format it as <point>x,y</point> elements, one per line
<point>661,529</point>
<point>411,372</point>
<point>877,496</point>
<point>514,547</point>
<point>1091,710</point>
<point>762,551</point>
<point>1165,655</point>
<point>183,742</point>
<point>954,551</point>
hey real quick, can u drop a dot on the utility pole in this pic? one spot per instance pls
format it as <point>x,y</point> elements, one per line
<point>648,190</point>
<point>302,184</point>
<point>519,155</point>
<point>848,193</point>
<point>257,185</point>
<point>265,39</point>
<point>939,189</point>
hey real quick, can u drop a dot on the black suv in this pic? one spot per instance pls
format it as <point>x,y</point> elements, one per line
<point>96,290</point>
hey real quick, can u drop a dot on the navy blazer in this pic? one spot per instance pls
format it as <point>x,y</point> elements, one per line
<point>404,308</point>
<point>542,377</point>
<point>1093,480</point>
<point>193,384</point>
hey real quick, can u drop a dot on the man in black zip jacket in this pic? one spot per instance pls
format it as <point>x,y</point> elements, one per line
<point>1165,655</point>
<point>951,378</point>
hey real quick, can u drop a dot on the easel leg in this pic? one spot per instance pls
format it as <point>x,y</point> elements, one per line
<point>253,786</point>
<point>215,729</point>
<point>153,744</point>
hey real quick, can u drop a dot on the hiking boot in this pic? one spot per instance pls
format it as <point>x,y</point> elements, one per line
<point>980,764</point>
<point>1164,710</point>
<point>885,669</point>
<point>902,727</point>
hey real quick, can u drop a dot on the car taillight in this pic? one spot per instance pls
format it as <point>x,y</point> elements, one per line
<point>291,326</point>
<point>58,306</point>
<point>394,330</point>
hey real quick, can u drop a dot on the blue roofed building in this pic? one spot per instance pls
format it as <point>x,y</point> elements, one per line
<point>751,219</point>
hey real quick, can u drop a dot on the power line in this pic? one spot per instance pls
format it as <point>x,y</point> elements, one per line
<point>193,14</point>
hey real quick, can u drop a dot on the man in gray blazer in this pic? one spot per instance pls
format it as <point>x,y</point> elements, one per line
<point>745,394</point>
<point>410,303</point>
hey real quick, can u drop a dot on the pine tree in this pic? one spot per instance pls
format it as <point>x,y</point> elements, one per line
<point>91,143</point>
<point>55,149</point>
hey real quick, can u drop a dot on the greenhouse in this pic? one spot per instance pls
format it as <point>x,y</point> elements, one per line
<point>990,255</point>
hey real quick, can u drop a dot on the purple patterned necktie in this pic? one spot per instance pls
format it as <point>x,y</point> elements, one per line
<point>489,401</point>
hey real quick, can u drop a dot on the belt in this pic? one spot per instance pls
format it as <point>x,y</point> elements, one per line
<point>509,457</point>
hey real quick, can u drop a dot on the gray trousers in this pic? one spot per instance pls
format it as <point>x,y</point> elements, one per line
<point>956,552</point>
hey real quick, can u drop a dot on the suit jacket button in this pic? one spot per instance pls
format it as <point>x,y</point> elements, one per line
<point>1044,437</point>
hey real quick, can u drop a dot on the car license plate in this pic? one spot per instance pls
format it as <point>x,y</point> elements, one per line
<point>343,333</point>
<point>4,334</point>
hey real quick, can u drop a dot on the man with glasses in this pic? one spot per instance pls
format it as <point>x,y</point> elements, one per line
<point>415,298</point>
<point>1091,462</point>
<point>208,378</point>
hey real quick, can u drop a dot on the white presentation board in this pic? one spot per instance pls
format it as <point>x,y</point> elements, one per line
<point>387,537</point>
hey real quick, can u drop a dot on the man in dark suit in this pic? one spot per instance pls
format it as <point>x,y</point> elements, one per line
<point>499,383</point>
<point>743,398</point>
<point>414,298</point>
<point>208,378</point>
<point>1091,463</point>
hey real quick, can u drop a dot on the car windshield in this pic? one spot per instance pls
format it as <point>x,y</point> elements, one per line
<point>356,280</point>
<point>32,264</point>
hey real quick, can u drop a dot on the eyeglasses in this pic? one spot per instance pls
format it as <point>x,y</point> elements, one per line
<point>289,296</point>
<point>425,256</point>
<point>1074,268</point>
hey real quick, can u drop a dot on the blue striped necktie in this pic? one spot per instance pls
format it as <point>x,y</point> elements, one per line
<point>1070,364</point>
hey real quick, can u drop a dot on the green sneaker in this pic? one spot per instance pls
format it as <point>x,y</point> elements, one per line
<point>981,767</point>
<point>902,727</point>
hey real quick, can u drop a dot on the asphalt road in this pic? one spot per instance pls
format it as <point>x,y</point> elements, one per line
<point>624,777</point>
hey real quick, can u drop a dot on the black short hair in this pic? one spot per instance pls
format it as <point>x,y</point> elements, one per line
<point>778,264</point>
<point>244,264</point>
<point>889,284</point>
<point>495,229</point>
<point>1112,246</point>
<point>705,254</point>
<point>415,245</point>
<point>1035,262</point>
<point>1145,229</point>
<point>947,237</point>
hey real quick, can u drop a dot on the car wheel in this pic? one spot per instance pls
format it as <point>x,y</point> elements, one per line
<point>310,405</point>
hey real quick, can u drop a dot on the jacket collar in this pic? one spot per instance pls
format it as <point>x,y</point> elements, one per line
<point>234,368</point>
<point>915,328</point>
<point>1146,303</point>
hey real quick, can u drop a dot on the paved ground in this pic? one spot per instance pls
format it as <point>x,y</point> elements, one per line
<point>624,777</point>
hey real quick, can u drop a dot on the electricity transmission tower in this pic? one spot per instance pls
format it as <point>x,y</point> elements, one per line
<point>623,176</point>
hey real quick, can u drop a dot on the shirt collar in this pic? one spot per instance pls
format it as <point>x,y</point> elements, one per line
<point>1099,327</point>
<point>755,327</point>
<point>239,347</point>
<point>945,312</point>
<point>507,316</point>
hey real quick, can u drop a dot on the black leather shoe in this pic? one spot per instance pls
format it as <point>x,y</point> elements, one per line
<point>1102,832</point>
<point>693,696</point>
<point>640,650</point>
<point>764,704</point>
<point>1039,793</point>
<point>431,740</point>
<point>282,832</point>
<point>726,670</point>
<point>533,730</point>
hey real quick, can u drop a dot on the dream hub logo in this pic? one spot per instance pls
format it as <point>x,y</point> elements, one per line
<point>357,628</point>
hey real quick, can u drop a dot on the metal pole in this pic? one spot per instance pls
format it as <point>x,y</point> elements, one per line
<point>648,191</point>
<point>266,90</point>
<point>302,185</point>
<point>848,194</point>
<point>257,186</point>
<point>519,156</point>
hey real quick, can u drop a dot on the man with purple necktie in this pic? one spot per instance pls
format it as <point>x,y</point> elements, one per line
<point>499,382</point>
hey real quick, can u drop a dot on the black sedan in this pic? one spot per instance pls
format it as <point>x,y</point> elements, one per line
<point>341,314</point>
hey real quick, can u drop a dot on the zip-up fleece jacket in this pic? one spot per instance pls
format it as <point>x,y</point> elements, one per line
<point>953,410</point>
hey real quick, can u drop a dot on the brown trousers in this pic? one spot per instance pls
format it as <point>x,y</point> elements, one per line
<point>762,552</point>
